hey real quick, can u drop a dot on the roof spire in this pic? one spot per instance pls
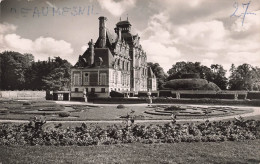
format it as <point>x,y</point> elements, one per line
<point>120,19</point>
<point>127,17</point>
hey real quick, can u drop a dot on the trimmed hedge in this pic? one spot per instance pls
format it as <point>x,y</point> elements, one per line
<point>167,94</point>
<point>191,84</point>
<point>118,100</point>
<point>253,95</point>
<point>161,100</point>
<point>116,94</point>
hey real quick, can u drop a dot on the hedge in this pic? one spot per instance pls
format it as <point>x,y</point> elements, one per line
<point>191,84</point>
<point>253,95</point>
<point>161,100</point>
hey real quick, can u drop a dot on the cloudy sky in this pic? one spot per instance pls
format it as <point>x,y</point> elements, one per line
<point>208,31</point>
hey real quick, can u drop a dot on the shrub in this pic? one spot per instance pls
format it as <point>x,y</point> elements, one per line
<point>116,94</point>
<point>120,106</point>
<point>50,109</point>
<point>253,95</point>
<point>26,103</point>
<point>3,111</point>
<point>34,133</point>
<point>64,114</point>
<point>173,108</point>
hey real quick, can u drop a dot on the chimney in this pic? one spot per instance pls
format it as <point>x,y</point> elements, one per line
<point>91,48</point>
<point>102,31</point>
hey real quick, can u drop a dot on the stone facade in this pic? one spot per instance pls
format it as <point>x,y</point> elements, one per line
<point>115,63</point>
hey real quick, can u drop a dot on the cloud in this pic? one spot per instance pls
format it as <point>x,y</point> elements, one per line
<point>84,48</point>
<point>6,28</point>
<point>41,47</point>
<point>202,35</point>
<point>157,41</point>
<point>116,8</point>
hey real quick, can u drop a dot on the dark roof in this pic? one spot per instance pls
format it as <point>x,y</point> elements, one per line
<point>106,56</point>
<point>150,73</point>
<point>123,23</point>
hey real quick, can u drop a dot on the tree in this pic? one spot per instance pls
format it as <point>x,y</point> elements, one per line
<point>13,67</point>
<point>159,73</point>
<point>218,76</point>
<point>59,77</point>
<point>215,73</point>
<point>19,71</point>
<point>244,77</point>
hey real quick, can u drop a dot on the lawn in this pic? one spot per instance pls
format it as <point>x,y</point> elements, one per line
<point>224,152</point>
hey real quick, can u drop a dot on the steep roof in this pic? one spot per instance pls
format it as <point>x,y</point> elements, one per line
<point>105,55</point>
<point>150,73</point>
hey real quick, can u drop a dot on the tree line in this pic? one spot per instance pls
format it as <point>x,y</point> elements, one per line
<point>20,72</point>
<point>242,77</point>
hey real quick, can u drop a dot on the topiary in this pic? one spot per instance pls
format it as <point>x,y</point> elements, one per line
<point>64,114</point>
<point>26,103</point>
<point>173,108</point>
<point>191,84</point>
<point>120,106</point>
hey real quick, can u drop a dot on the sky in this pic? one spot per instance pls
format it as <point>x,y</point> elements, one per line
<point>207,31</point>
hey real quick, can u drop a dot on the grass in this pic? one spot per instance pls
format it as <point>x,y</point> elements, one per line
<point>227,152</point>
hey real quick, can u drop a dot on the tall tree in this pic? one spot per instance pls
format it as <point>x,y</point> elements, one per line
<point>215,73</point>
<point>244,77</point>
<point>159,73</point>
<point>13,66</point>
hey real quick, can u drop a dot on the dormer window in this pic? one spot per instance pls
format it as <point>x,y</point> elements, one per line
<point>99,61</point>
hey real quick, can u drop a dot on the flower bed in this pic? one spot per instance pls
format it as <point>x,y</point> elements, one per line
<point>34,133</point>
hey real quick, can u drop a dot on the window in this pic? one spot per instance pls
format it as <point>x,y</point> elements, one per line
<point>118,63</point>
<point>103,79</point>
<point>103,90</point>
<point>93,90</point>
<point>86,90</point>
<point>76,89</point>
<point>76,79</point>
<point>123,65</point>
<point>86,79</point>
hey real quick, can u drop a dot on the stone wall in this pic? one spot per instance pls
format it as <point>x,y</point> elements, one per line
<point>23,94</point>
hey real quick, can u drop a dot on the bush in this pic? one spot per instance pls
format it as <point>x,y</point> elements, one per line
<point>64,114</point>
<point>26,103</point>
<point>191,84</point>
<point>253,95</point>
<point>116,94</point>
<point>165,93</point>
<point>34,133</point>
<point>173,108</point>
<point>50,109</point>
<point>3,111</point>
<point>120,106</point>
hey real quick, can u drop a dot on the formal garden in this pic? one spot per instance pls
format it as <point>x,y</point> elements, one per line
<point>121,136</point>
<point>51,111</point>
